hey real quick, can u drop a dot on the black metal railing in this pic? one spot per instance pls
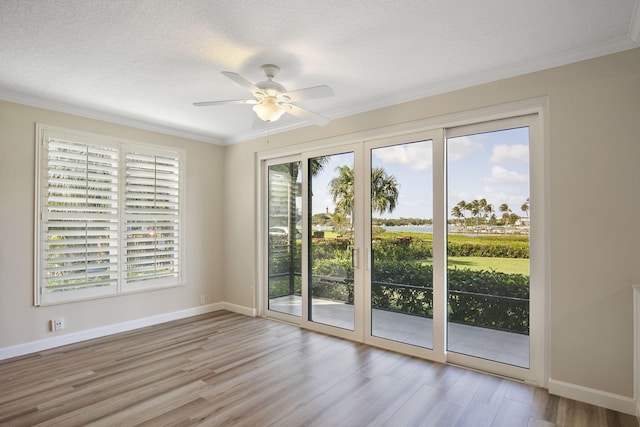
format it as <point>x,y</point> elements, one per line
<point>505,313</point>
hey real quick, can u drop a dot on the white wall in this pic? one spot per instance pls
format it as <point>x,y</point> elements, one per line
<point>20,321</point>
<point>594,150</point>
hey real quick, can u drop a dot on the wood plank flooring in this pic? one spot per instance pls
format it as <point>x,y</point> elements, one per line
<point>224,369</point>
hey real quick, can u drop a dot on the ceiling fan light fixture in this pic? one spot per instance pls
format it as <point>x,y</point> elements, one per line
<point>268,110</point>
<point>271,100</point>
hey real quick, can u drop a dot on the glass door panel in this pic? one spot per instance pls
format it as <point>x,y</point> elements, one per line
<point>402,243</point>
<point>488,245</point>
<point>442,217</point>
<point>331,240</point>
<point>284,238</point>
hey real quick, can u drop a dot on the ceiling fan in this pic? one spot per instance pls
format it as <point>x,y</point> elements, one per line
<point>271,100</point>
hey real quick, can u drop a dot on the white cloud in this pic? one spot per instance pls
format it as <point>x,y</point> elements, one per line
<point>502,176</point>
<point>506,153</point>
<point>461,147</point>
<point>460,195</point>
<point>416,156</point>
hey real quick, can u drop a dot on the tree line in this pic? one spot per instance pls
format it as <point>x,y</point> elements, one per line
<point>384,199</point>
<point>479,212</point>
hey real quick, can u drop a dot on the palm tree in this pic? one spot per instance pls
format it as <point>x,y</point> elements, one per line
<point>462,206</point>
<point>341,224</point>
<point>476,209</point>
<point>317,164</point>
<point>504,208</point>
<point>488,212</point>
<point>384,190</point>
<point>341,189</point>
<point>484,206</point>
<point>456,212</point>
<point>525,207</point>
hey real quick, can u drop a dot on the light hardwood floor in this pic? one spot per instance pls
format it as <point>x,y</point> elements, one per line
<point>224,369</point>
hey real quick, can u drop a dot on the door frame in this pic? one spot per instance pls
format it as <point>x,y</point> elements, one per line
<point>358,283</point>
<point>261,296</point>
<point>538,372</point>
<point>437,352</point>
<point>538,239</point>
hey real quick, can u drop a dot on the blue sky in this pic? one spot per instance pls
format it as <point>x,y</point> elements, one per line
<point>494,166</point>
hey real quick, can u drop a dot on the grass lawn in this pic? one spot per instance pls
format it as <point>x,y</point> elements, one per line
<point>503,265</point>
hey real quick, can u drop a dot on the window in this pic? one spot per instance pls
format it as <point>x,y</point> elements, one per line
<point>109,216</point>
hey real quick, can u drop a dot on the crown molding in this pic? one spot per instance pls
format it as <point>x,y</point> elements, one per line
<point>495,74</point>
<point>61,107</point>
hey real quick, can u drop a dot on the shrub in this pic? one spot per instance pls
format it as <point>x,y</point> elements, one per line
<point>332,278</point>
<point>279,286</point>
<point>482,298</point>
<point>406,248</point>
<point>488,299</point>
<point>280,256</point>
<point>490,250</point>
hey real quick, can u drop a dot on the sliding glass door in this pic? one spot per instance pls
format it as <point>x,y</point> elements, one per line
<point>488,269</point>
<point>401,242</point>
<point>284,225</point>
<point>331,244</point>
<point>419,243</point>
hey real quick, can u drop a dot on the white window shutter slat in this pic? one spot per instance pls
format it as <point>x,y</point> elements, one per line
<point>110,216</point>
<point>152,209</point>
<point>81,249</point>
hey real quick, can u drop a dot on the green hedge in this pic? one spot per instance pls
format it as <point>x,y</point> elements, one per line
<point>489,250</point>
<point>407,248</point>
<point>482,298</point>
<point>332,278</point>
<point>413,246</point>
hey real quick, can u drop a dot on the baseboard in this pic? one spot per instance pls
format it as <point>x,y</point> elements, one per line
<point>74,337</point>
<point>247,311</point>
<point>593,396</point>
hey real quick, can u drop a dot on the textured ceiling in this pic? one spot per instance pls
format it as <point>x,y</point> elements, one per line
<point>144,62</point>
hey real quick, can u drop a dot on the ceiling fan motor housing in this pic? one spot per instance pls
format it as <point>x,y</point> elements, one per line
<point>270,70</point>
<point>270,88</point>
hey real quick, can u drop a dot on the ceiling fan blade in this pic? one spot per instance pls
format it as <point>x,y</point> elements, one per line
<point>235,101</point>
<point>243,82</point>
<point>299,112</point>
<point>323,91</point>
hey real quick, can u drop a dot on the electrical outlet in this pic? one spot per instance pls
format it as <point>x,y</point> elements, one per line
<point>202,299</point>
<point>56,324</point>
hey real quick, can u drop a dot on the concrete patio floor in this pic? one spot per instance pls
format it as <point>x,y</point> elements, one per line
<point>504,347</point>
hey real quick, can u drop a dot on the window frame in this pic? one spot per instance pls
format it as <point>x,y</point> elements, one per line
<point>119,285</point>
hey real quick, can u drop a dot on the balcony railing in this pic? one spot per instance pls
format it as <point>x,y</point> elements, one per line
<point>487,310</point>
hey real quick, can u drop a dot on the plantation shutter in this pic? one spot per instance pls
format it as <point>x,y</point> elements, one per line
<point>109,216</point>
<point>152,218</point>
<point>80,219</point>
